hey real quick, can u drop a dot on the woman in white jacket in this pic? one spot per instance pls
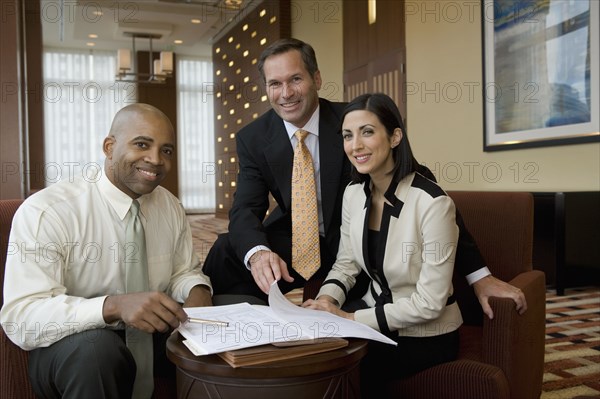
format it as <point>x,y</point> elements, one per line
<point>400,228</point>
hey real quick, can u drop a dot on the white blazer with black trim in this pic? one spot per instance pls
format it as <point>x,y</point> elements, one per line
<point>417,247</point>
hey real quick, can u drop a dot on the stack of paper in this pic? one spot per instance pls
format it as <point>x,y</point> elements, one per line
<point>245,326</point>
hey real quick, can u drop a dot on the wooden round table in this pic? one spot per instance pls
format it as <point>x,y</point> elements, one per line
<point>333,374</point>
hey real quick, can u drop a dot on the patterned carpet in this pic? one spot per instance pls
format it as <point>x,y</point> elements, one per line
<point>205,229</point>
<point>572,362</point>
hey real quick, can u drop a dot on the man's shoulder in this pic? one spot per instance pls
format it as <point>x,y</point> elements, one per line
<point>64,199</point>
<point>336,106</point>
<point>330,113</point>
<point>261,123</point>
<point>64,191</point>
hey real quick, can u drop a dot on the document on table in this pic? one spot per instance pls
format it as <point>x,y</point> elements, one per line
<point>253,325</point>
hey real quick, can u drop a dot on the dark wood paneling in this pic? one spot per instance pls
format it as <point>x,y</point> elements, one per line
<point>21,107</point>
<point>375,54</point>
<point>356,38</point>
<point>10,137</point>
<point>164,97</point>
<point>35,97</point>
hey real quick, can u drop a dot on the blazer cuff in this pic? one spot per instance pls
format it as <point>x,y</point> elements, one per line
<point>334,291</point>
<point>368,317</point>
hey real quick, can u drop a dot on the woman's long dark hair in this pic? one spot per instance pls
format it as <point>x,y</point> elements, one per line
<point>388,114</point>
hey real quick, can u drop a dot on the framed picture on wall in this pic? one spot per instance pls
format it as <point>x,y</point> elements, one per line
<point>541,73</point>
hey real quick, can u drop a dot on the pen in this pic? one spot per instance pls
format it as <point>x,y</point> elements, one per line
<point>204,321</point>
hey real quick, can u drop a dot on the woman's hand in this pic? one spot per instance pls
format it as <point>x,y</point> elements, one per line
<point>328,304</point>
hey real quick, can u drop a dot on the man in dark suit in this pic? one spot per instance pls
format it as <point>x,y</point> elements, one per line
<point>256,251</point>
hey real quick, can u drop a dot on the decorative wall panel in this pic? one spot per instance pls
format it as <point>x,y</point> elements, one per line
<point>240,95</point>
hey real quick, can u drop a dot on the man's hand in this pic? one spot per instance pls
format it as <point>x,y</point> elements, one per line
<point>491,286</point>
<point>266,267</point>
<point>146,311</point>
<point>328,304</point>
<point>198,296</point>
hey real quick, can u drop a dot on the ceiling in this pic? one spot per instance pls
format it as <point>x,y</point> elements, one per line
<point>69,23</point>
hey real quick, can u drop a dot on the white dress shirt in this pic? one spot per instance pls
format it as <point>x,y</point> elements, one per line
<point>66,255</point>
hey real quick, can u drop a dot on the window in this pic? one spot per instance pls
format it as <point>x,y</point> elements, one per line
<point>195,148</point>
<point>81,98</point>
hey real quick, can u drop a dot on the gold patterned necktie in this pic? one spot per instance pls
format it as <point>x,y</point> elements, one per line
<point>136,280</point>
<point>306,258</point>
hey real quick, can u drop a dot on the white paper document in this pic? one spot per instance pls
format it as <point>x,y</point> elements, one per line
<point>253,325</point>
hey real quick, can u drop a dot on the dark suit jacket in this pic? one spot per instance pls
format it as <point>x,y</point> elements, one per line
<point>265,166</point>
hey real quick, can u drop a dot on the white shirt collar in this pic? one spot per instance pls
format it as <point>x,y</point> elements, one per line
<point>312,126</point>
<point>120,201</point>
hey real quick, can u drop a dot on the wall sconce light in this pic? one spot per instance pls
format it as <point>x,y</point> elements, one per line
<point>159,69</point>
<point>372,10</point>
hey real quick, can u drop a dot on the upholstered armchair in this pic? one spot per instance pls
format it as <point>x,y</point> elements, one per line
<point>14,380</point>
<point>504,357</point>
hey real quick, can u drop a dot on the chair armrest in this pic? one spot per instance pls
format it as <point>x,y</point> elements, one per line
<point>458,379</point>
<point>515,343</point>
<point>14,379</point>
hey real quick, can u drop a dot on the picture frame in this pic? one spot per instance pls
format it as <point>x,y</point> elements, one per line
<point>540,73</point>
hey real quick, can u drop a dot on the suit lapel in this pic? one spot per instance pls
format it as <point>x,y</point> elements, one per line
<point>331,155</point>
<point>280,156</point>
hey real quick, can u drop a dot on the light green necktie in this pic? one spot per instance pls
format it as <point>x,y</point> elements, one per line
<point>136,280</point>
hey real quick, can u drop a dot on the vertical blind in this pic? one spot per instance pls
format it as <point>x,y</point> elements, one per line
<point>196,149</point>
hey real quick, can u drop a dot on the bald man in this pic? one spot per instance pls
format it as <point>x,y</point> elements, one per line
<point>65,295</point>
